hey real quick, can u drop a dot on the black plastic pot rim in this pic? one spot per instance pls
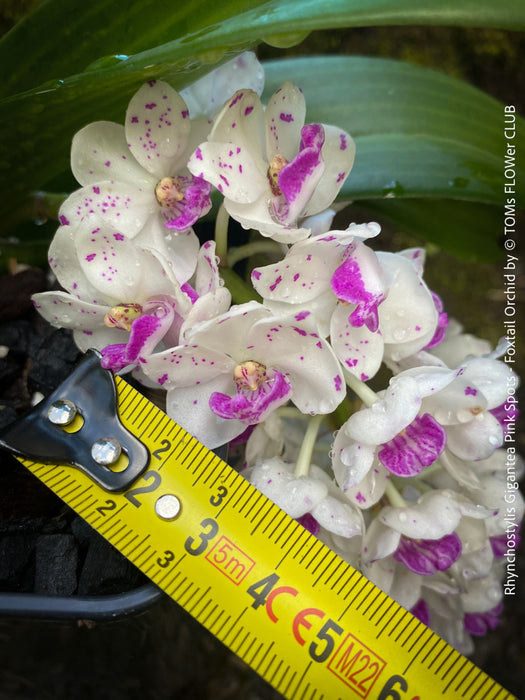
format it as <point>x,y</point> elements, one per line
<point>96,608</point>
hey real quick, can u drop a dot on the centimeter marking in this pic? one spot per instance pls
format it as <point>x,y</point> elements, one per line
<point>300,616</point>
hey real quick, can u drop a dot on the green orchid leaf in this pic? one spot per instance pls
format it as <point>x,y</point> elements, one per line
<point>400,165</point>
<point>468,230</point>
<point>65,37</point>
<point>424,142</point>
<point>418,133</point>
<point>93,57</point>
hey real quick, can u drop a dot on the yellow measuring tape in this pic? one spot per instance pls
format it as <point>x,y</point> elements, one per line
<point>296,613</point>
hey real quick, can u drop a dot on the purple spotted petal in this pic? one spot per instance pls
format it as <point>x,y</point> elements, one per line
<point>421,611</point>
<point>478,624</point>
<point>157,128</point>
<point>416,447</point>
<point>298,179</point>
<point>442,323</point>
<point>426,557</point>
<point>195,203</point>
<point>309,523</point>
<point>506,414</point>
<point>252,407</point>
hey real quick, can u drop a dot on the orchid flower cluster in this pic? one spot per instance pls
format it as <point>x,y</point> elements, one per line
<point>411,488</point>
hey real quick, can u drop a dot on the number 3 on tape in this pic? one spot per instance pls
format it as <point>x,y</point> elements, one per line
<point>297,614</point>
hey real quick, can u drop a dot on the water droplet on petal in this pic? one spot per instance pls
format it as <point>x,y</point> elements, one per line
<point>493,593</point>
<point>399,334</point>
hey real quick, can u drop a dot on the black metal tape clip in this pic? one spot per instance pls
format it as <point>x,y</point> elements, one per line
<point>89,392</point>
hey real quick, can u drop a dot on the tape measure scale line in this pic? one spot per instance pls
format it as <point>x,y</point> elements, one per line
<point>281,600</point>
<point>455,677</point>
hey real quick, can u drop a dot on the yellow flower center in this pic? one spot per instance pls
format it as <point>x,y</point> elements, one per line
<point>122,316</point>
<point>168,191</point>
<point>277,163</point>
<point>249,375</point>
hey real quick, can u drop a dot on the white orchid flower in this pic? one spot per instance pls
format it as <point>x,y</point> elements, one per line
<point>311,499</point>
<point>168,319</point>
<point>110,281</point>
<point>465,408</point>
<point>135,175</point>
<point>272,169</point>
<point>234,370</point>
<point>123,299</point>
<point>357,296</point>
<point>392,436</point>
<point>421,535</point>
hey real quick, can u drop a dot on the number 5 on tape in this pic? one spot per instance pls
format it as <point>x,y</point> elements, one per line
<point>302,618</point>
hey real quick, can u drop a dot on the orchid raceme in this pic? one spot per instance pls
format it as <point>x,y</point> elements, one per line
<point>272,169</point>
<point>405,477</point>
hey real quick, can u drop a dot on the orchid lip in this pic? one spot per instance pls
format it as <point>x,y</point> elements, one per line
<point>298,179</point>
<point>253,405</point>
<point>194,201</point>
<point>414,448</point>
<point>426,557</point>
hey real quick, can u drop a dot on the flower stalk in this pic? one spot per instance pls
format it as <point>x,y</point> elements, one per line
<point>362,390</point>
<point>221,236</point>
<point>302,466</point>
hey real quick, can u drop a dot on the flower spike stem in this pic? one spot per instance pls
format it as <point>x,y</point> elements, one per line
<point>437,466</point>
<point>393,495</point>
<point>367,396</point>
<point>304,459</point>
<point>221,235</point>
<point>246,251</point>
<point>291,412</point>
<point>241,291</point>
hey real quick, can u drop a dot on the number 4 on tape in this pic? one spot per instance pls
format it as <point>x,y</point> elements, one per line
<point>301,617</point>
